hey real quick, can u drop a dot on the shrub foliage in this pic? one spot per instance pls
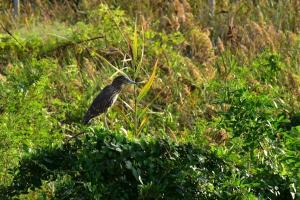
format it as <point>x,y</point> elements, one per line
<point>215,117</point>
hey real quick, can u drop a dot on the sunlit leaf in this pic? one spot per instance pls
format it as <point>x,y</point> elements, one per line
<point>143,123</point>
<point>143,112</point>
<point>148,85</point>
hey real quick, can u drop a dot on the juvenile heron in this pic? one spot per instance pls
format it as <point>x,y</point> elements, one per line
<point>106,98</point>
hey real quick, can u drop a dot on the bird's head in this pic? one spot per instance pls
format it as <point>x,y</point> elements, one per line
<point>122,80</point>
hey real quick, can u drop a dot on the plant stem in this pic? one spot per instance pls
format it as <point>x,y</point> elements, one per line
<point>135,109</point>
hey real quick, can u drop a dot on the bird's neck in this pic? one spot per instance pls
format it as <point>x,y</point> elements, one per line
<point>118,88</point>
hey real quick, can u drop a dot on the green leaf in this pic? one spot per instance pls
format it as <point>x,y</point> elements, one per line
<point>146,108</point>
<point>143,123</point>
<point>148,85</point>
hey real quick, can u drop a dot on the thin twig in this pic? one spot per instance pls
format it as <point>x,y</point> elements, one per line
<point>9,33</point>
<point>71,43</point>
<point>74,137</point>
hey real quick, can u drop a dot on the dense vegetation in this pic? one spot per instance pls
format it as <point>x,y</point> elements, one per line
<point>217,116</point>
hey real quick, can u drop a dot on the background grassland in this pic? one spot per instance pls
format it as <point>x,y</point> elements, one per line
<point>220,121</point>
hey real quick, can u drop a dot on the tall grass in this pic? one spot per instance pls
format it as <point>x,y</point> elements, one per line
<point>239,102</point>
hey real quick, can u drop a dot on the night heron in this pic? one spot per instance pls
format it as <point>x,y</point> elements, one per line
<point>106,98</point>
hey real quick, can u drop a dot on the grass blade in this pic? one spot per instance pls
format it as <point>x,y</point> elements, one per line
<point>108,63</point>
<point>142,55</point>
<point>135,45</point>
<point>148,85</point>
<point>142,125</point>
<point>146,108</point>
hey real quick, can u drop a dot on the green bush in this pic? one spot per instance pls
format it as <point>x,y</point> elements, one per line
<point>229,118</point>
<point>109,166</point>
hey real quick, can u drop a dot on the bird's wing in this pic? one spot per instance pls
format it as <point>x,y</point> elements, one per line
<point>102,101</point>
<point>100,104</point>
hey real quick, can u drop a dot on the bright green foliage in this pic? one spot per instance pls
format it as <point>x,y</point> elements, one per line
<point>207,122</point>
<point>105,166</point>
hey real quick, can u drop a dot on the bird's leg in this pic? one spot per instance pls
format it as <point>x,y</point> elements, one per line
<point>105,121</point>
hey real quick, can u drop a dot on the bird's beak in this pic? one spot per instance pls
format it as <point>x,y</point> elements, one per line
<point>131,82</point>
<point>138,81</point>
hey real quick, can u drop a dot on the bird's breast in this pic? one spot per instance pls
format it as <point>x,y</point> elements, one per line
<point>114,99</point>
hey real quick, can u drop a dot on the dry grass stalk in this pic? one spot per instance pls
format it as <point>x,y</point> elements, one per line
<point>220,45</point>
<point>202,48</point>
